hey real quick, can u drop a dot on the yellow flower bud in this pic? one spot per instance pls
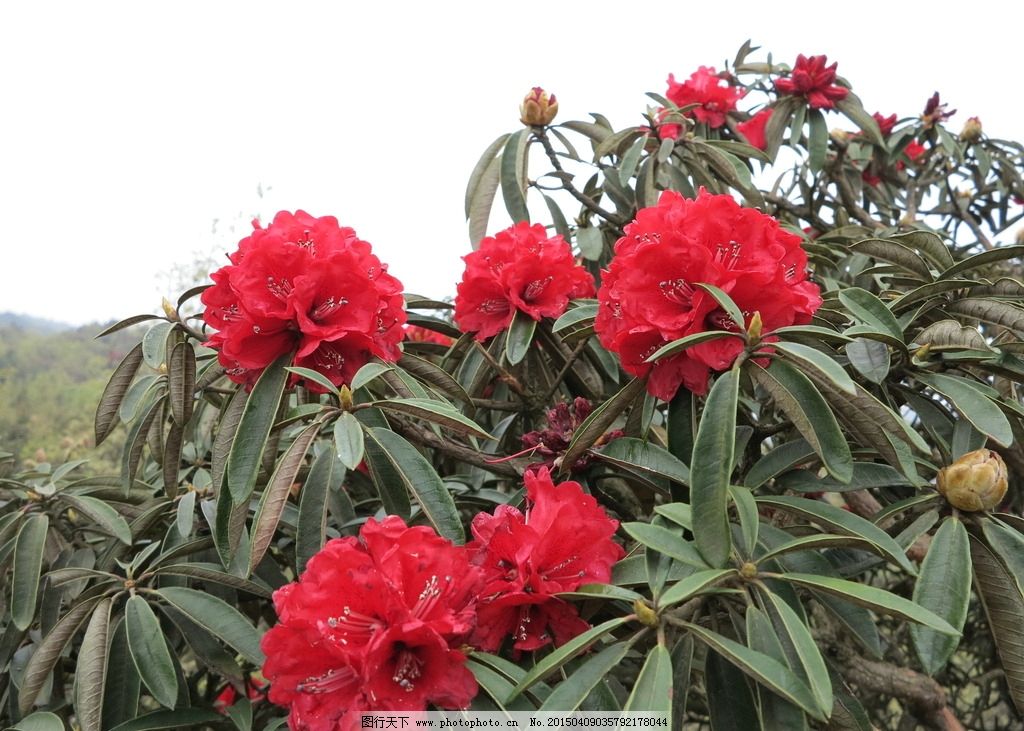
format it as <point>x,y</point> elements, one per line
<point>538,108</point>
<point>976,481</point>
<point>748,570</point>
<point>169,311</point>
<point>345,397</point>
<point>972,130</point>
<point>755,327</point>
<point>839,135</point>
<point>644,614</point>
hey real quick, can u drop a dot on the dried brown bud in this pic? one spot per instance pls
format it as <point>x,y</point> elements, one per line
<point>538,108</point>
<point>976,481</point>
<point>972,130</point>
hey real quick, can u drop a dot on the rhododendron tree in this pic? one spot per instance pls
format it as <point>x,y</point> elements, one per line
<point>726,425</point>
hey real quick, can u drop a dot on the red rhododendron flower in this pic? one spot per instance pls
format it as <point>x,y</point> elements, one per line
<point>649,295</point>
<point>813,80</point>
<point>418,334</point>
<point>563,421</point>
<point>885,124</point>
<point>935,111</point>
<point>304,285</point>
<point>753,129</point>
<point>914,151</point>
<point>563,541</point>
<point>520,268</point>
<point>372,624</point>
<point>667,130</point>
<point>705,88</point>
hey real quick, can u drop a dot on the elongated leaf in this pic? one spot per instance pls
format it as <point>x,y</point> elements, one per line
<point>149,651</point>
<point>226,429</point>
<point>136,439</point>
<point>600,419</point>
<point>275,495</point>
<point>1008,545</point>
<point>91,670</point>
<point>110,401</point>
<point>766,670</point>
<point>603,591</point>
<point>513,184</point>
<point>433,411</point>
<point>692,585</point>
<point>973,405</point>
<point>817,143</point>
<point>568,694</point>
<point>665,542</point>
<point>645,457</point>
<point>685,343</point>
<point>990,311</point>
<point>944,587</point>
<point>870,358</point>
<point>185,513</point>
<point>813,664</point>
<point>873,598</point>
<point>895,252</point>
<point>121,701</point>
<point>311,528</point>
<point>1004,606</point>
<point>497,686</point>
<point>841,521</point>
<point>725,302</point>
<point>762,637</point>
<point>870,310</point>
<point>181,381</point>
<point>219,618</point>
<point>731,704</point>
<point>653,689</point>
<point>711,467</point>
<point>1000,253</point>
<point>211,572</point>
<point>180,718</point>
<point>349,440</point>
<point>250,440</point>
<point>28,563</point>
<point>480,169</point>
<point>100,513</point>
<point>780,459</point>
<point>41,664</point>
<point>40,721</point>
<point>308,374</point>
<point>519,337</point>
<point>800,400</point>
<point>421,481</point>
<point>437,377</point>
<point>819,540</point>
<point>563,654</point>
<point>821,361</point>
<point>929,245</point>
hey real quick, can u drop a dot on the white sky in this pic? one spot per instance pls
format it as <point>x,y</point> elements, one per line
<point>127,128</point>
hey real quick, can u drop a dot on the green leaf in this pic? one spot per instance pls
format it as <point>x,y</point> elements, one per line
<point>870,310</point>
<point>110,401</point>
<point>600,419</point>
<point>497,686</point>
<point>665,542</point>
<point>105,517</point>
<point>692,585</point>
<point>800,400</point>
<point>685,343</point>
<point>841,521</point>
<point>211,572</point>
<point>972,403</point>
<point>185,513</point>
<point>519,337</point>
<point>725,302</point>
<point>820,361</point>
<point>558,657</point>
<point>348,440</point>
<point>991,311</point>
<point>817,144</point>
<point>730,703</point>
<point>877,599</point>
<point>746,511</point>
<point>590,242</point>
<point>513,182</point>
<point>420,480</point>
<point>711,468</point>
<point>39,721</point>
<point>943,586</point>
<point>250,439</point>
<point>1000,253</point>
<point>121,700</point>
<point>568,694</point>
<point>818,540</point>
<point>311,528</point>
<point>895,252</point>
<point>1007,544</point>
<point>766,670</point>
<point>28,563</point>
<point>652,692</point>
<point>219,618</point>
<point>368,373</point>
<point>479,172</point>
<point>575,318</point>
<point>179,718</point>
<point>433,411</point>
<point>851,107</point>
<point>762,637</point>
<point>181,382</point>
<point>870,358</point>
<point>275,494</point>
<point>149,651</point>
<point>602,591</point>
<point>645,457</point>
<point>315,377</point>
<point>91,669</point>
<point>814,668</point>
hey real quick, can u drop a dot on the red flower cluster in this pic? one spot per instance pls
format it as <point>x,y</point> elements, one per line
<point>885,124</point>
<point>562,542</point>
<point>753,128</point>
<point>648,295</point>
<point>813,80</point>
<point>705,88</point>
<point>521,268</point>
<point>377,623</point>
<point>563,421</point>
<point>373,624</point>
<point>306,285</point>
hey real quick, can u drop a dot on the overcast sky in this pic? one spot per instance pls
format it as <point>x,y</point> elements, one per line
<point>128,128</point>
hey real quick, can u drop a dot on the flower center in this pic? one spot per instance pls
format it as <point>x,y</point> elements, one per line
<point>678,291</point>
<point>280,288</point>
<point>728,254</point>
<point>328,358</point>
<point>408,668</point>
<point>430,596</point>
<point>331,681</point>
<point>535,288</point>
<point>494,306</point>
<point>328,306</point>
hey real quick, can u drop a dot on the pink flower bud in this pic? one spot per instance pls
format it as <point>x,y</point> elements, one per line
<point>538,108</point>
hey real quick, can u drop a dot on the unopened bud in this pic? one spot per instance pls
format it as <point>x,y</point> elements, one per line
<point>1020,236</point>
<point>755,327</point>
<point>839,135</point>
<point>162,369</point>
<point>976,481</point>
<point>972,130</point>
<point>172,314</point>
<point>345,397</point>
<point>644,614</point>
<point>538,108</point>
<point>748,570</point>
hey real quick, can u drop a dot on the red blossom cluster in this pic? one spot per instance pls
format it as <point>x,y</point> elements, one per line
<point>753,128</point>
<point>379,622</point>
<point>520,268</point>
<point>709,91</point>
<point>813,80</point>
<point>552,442</point>
<point>649,296</point>
<point>304,285</point>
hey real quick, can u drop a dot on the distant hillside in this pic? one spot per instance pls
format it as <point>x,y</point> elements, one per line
<point>31,323</point>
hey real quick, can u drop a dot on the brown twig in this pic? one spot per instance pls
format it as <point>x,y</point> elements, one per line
<point>427,438</point>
